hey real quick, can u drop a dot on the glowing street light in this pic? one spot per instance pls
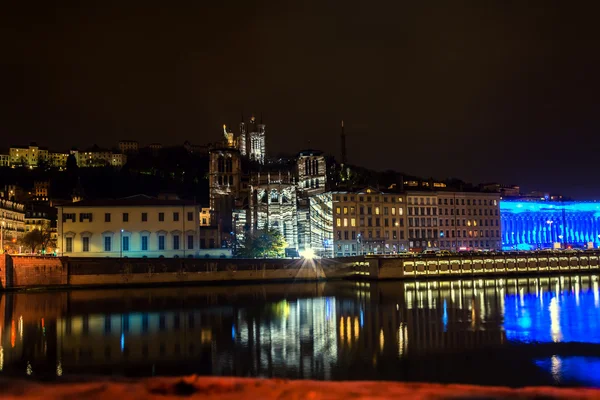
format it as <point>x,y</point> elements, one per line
<point>308,254</point>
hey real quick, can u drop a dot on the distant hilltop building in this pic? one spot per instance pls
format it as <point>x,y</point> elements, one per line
<point>34,156</point>
<point>129,146</point>
<point>251,140</point>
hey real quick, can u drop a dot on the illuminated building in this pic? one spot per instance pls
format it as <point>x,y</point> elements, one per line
<point>255,141</point>
<point>12,224</point>
<point>41,190</point>
<point>224,181</point>
<point>128,146</point>
<point>319,219</point>
<point>28,156</point>
<point>273,203</point>
<point>466,220</point>
<point>312,172</point>
<point>348,223</point>
<point>539,224</point>
<point>4,160</point>
<point>368,221</point>
<point>96,157</point>
<point>205,216</point>
<point>422,220</point>
<point>136,226</point>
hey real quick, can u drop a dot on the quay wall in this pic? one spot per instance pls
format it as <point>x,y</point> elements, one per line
<point>460,266</point>
<point>31,271</point>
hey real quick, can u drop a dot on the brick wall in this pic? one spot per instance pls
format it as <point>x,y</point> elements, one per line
<point>32,271</point>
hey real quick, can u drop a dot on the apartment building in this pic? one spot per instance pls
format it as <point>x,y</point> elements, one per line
<point>137,226</point>
<point>469,221</point>
<point>454,221</point>
<point>368,221</point>
<point>12,225</point>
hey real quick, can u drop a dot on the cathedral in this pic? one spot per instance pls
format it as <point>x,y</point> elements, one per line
<point>248,191</point>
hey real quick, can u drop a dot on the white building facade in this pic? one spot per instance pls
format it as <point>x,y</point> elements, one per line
<point>137,226</point>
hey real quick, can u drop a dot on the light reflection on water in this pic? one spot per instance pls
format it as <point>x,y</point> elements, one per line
<point>419,331</point>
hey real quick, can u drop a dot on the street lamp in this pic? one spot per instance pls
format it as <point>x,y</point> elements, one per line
<point>398,237</point>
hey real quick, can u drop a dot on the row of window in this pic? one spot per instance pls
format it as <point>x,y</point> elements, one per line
<point>339,222</point>
<point>457,244</point>
<point>125,243</point>
<point>434,211</point>
<point>361,210</point>
<point>385,199</point>
<point>352,235</point>
<point>88,217</point>
<point>433,233</point>
<point>423,221</point>
<point>467,222</point>
<point>446,201</point>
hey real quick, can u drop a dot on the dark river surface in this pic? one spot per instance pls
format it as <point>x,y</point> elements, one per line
<point>516,332</point>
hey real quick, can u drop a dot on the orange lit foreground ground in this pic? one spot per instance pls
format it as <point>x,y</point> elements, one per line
<point>258,389</point>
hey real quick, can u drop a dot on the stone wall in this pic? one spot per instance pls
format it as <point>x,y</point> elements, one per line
<point>30,271</point>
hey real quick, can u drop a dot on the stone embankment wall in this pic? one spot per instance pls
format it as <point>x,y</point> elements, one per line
<point>30,271</point>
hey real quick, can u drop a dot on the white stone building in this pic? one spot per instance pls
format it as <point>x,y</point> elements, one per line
<point>137,226</point>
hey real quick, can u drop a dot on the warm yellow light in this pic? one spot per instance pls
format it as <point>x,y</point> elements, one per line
<point>308,254</point>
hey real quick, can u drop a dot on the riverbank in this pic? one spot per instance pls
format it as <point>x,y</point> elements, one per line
<point>194,387</point>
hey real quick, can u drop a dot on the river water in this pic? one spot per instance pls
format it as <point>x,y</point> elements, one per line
<point>516,332</point>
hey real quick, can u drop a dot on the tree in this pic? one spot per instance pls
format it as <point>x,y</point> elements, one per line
<point>35,239</point>
<point>263,243</point>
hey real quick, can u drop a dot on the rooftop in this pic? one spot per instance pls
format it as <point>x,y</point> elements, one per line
<point>137,200</point>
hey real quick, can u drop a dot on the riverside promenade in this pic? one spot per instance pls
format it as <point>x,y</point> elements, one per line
<point>243,388</point>
<point>22,272</point>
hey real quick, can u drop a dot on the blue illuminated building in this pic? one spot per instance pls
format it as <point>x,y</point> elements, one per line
<point>530,225</point>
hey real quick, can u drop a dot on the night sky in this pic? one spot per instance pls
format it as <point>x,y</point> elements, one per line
<point>503,91</point>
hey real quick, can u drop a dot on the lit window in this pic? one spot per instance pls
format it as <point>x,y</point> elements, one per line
<point>400,212</point>
<point>345,221</point>
<point>345,210</point>
<point>393,210</point>
<point>338,222</point>
<point>377,210</point>
<point>338,210</point>
<point>353,222</point>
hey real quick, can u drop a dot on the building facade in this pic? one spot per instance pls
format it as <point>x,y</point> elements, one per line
<point>138,226</point>
<point>12,225</point>
<point>468,221</point>
<point>128,146</point>
<point>99,158</point>
<point>368,221</point>
<point>28,156</point>
<point>273,204</point>
<point>528,225</point>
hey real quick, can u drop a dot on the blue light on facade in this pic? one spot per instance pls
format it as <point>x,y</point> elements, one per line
<point>530,225</point>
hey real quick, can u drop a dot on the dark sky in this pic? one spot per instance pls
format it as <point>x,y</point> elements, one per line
<point>503,91</point>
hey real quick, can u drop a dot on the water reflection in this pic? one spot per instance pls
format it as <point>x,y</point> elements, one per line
<point>429,331</point>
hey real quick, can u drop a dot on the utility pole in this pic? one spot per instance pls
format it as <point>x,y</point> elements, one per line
<point>343,138</point>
